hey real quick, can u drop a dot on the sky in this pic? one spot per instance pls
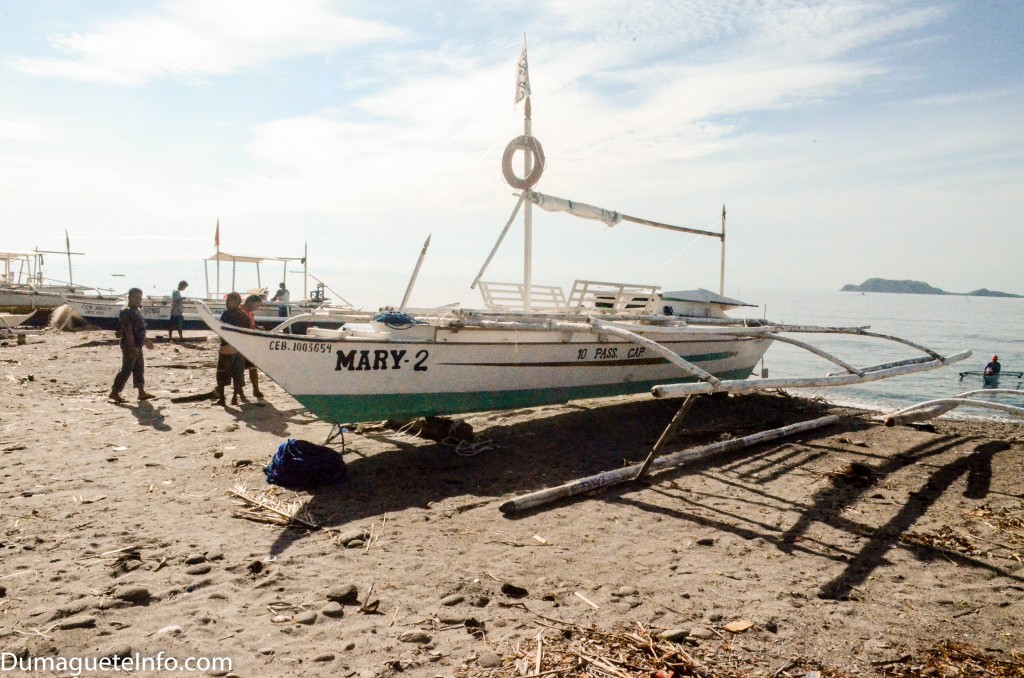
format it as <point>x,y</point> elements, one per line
<point>847,140</point>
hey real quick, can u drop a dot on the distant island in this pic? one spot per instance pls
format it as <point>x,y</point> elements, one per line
<point>917,287</point>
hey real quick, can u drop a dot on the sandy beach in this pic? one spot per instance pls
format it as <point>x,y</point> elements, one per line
<point>852,550</point>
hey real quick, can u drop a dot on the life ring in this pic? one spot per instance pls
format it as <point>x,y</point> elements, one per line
<point>530,145</point>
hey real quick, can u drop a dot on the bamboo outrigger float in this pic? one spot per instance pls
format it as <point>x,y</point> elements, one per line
<point>931,409</point>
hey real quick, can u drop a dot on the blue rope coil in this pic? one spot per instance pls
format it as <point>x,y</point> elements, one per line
<point>397,320</point>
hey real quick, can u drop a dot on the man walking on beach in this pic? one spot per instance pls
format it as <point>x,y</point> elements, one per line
<point>132,331</point>
<point>177,312</point>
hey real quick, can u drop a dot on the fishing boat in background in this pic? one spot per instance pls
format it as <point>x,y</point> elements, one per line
<point>535,345</point>
<point>989,380</point>
<point>24,288</point>
<point>312,309</point>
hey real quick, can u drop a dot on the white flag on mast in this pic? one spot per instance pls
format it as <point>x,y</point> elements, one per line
<point>522,75</point>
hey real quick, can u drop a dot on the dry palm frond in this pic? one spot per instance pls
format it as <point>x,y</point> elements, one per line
<point>953,658</point>
<point>263,507</point>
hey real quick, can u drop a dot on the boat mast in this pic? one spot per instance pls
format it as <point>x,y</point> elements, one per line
<point>523,91</point>
<point>67,248</point>
<point>216,241</point>
<point>721,279</point>
<point>528,207</point>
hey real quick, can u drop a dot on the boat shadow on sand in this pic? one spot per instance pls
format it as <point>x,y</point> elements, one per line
<point>575,441</point>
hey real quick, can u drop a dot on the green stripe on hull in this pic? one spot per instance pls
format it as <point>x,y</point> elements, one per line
<point>351,409</point>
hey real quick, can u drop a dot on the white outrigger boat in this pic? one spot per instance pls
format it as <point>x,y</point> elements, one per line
<point>315,309</point>
<point>23,289</point>
<point>533,345</point>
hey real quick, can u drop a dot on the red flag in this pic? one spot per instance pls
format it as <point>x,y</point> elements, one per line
<point>216,235</point>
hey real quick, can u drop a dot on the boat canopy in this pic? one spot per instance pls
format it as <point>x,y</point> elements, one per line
<point>703,296</point>
<point>238,258</point>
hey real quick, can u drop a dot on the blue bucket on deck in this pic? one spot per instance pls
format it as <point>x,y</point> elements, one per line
<point>302,464</point>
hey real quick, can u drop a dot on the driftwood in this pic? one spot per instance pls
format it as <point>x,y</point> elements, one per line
<point>607,478</point>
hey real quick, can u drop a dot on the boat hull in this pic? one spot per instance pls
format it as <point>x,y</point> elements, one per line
<point>368,376</point>
<point>103,312</point>
<point>12,320</point>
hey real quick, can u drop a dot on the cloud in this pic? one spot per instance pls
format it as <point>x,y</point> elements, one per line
<point>193,39</point>
<point>31,131</point>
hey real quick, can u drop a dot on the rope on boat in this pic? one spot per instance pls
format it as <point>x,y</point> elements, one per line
<point>397,320</point>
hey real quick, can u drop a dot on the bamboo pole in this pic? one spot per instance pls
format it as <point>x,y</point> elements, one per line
<point>721,273</point>
<point>415,274</point>
<point>817,351</point>
<point>674,460</point>
<point>934,408</point>
<point>748,385</point>
<point>663,438</point>
<point>665,353</point>
<point>487,262</point>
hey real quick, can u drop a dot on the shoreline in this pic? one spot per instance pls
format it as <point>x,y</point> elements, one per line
<point>842,548</point>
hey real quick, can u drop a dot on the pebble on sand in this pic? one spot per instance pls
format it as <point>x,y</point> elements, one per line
<point>307,617</point>
<point>674,635</point>
<point>346,594</point>
<point>333,609</point>
<point>136,595</point>
<point>513,591</point>
<point>84,622</point>
<point>415,637</point>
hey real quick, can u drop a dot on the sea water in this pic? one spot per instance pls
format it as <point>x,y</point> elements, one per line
<point>946,324</point>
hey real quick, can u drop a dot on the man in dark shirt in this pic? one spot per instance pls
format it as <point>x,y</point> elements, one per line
<point>992,369</point>
<point>132,331</point>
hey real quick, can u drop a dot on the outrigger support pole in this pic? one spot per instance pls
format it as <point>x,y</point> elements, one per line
<point>688,367</point>
<point>669,430</point>
<point>534,499</point>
